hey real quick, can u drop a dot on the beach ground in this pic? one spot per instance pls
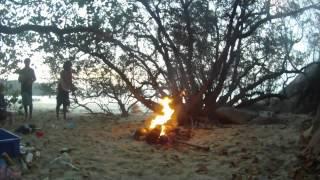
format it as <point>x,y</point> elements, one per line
<point>102,147</point>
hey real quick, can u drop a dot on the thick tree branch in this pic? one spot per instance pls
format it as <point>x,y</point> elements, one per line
<point>188,60</point>
<point>256,25</point>
<point>53,29</point>
<point>162,29</point>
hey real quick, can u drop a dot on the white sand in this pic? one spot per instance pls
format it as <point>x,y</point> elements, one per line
<point>104,149</point>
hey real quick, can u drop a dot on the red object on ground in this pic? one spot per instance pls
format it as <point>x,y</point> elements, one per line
<point>39,134</point>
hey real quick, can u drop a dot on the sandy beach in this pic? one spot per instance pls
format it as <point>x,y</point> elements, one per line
<point>102,147</point>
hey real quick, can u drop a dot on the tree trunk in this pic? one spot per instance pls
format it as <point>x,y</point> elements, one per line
<point>124,112</point>
<point>193,113</point>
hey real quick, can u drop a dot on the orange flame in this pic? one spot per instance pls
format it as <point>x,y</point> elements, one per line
<point>165,116</point>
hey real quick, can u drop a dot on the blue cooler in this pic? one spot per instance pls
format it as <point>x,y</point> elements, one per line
<point>9,143</point>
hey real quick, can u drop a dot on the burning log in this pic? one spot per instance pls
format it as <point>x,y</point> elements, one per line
<point>140,134</point>
<point>164,139</point>
<point>162,130</point>
<point>175,136</point>
<point>154,135</point>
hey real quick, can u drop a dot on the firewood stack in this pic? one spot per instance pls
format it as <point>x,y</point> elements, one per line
<point>153,136</point>
<point>162,128</point>
<point>174,136</point>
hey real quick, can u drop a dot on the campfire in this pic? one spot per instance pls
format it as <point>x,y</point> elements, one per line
<point>163,129</point>
<point>160,126</point>
<point>164,117</point>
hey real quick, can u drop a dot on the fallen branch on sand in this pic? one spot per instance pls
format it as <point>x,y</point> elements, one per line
<point>205,148</point>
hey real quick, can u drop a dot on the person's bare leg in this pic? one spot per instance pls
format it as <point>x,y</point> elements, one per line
<point>30,111</point>
<point>25,107</point>
<point>64,112</point>
<point>57,110</point>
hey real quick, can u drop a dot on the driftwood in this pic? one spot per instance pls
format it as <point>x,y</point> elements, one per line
<point>205,148</point>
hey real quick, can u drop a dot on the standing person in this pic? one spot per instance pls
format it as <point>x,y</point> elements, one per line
<point>64,87</point>
<point>26,78</point>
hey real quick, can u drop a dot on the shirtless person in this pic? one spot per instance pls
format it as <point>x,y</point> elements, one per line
<point>64,87</point>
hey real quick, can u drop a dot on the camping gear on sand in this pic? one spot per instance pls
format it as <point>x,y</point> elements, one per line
<point>9,143</point>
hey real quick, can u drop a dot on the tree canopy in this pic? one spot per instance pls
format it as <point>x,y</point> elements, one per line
<point>210,53</point>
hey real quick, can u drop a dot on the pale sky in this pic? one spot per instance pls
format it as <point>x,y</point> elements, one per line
<point>42,71</point>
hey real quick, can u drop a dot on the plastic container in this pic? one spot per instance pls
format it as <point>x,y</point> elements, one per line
<point>9,143</point>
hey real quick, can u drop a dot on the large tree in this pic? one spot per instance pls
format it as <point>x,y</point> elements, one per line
<point>216,52</point>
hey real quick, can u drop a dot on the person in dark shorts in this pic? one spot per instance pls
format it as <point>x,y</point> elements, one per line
<point>64,87</point>
<point>26,78</point>
<point>4,114</point>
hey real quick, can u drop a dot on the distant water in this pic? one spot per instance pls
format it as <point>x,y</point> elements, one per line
<point>49,103</point>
